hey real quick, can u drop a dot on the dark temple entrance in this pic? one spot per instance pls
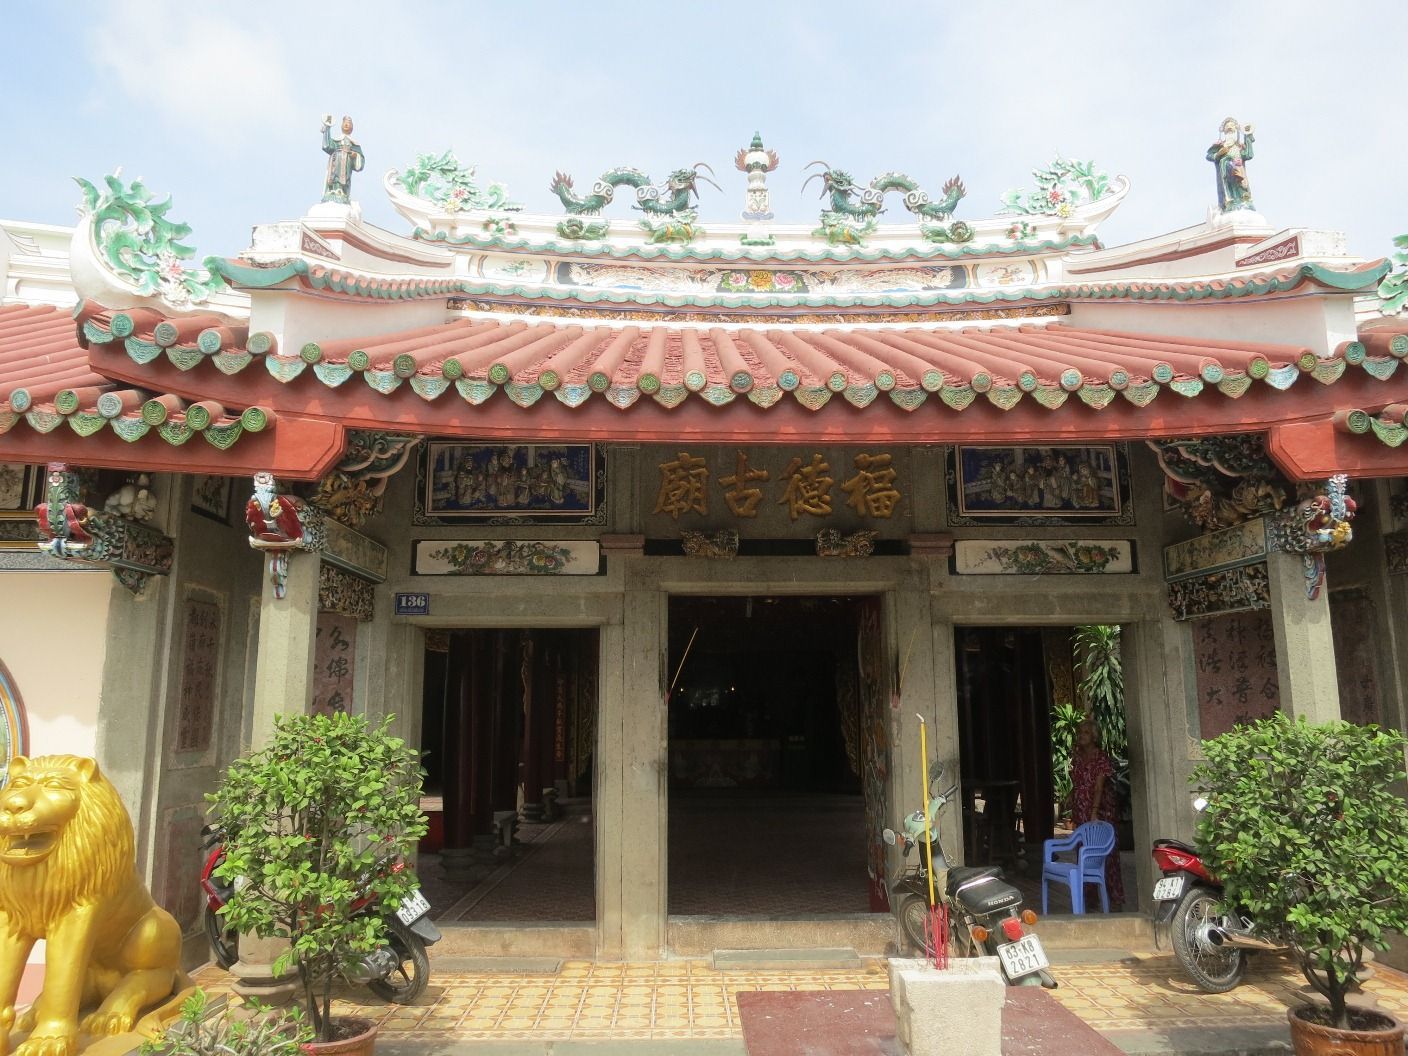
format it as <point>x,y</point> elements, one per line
<point>508,734</point>
<point>769,754</point>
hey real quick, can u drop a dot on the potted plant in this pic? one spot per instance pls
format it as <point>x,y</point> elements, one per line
<point>1307,833</point>
<point>203,1030</point>
<point>317,826</point>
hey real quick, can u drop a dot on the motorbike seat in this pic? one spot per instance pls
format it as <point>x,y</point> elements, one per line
<point>1176,845</point>
<point>962,874</point>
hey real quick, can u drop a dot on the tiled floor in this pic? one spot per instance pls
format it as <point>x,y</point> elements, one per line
<point>690,999</point>
<point>1152,992</point>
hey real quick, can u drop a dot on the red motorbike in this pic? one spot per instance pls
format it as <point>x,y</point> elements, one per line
<point>1211,940</point>
<point>397,971</point>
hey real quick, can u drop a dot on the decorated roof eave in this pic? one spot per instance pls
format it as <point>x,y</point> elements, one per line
<point>339,280</point>
<point>1313,450</point>
<point>839,421</point>
<point>744,256</point>
<point>299,448</point>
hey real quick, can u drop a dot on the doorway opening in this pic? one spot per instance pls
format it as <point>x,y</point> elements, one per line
<point>508,732</point>
<point>777,756</point>
<point>1022,694</point>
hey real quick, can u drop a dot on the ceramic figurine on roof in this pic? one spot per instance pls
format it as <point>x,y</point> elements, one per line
<point>63,519</point>
<point>344,158</point>
<point>853,209</point>
<point>131,240</point>
<point>757,162</point>
<point>1230,154</point>
<point>671,216</point>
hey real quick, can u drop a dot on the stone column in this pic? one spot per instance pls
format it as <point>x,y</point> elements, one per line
<point>283,685</point>
<point>630,769</point>
<point>1305,649</point>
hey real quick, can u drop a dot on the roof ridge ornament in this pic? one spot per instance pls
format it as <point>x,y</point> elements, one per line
<point>853,209</point>
<point>344,158</point>
<point>1061,187</point>
<point>670,215</point>
<point>136,244</point>
<point>1232,151</point>
<point>445,181</point>
<point>757,161</point>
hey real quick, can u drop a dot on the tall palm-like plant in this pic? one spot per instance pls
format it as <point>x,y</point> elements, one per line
<point>1102,684</point>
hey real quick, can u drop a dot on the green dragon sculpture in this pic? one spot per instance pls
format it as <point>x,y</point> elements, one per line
<point>853,208</point>
<point>140,245</point>
<point>669,206</point>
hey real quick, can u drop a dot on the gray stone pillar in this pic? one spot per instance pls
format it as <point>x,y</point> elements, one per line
<point>283,685</point>
<point>288,628</point>
<point>1305,648</point>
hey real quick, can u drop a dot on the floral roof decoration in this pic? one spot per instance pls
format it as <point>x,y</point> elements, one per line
<point>443,180</point>
<point>140,245</point>
<point>1394,288</point>
<point>1060,188</point>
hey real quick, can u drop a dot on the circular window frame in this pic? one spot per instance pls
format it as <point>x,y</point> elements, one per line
<point>12,714</point>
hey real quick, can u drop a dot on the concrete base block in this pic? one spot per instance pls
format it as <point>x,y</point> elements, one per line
<point>954,1012</point>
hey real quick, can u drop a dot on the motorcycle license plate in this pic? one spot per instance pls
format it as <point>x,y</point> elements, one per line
<point>1023,957</point>
<point>1170,887</point>
<point>413,907</point>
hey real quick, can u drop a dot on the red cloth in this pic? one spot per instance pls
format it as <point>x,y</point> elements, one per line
<point>1086,769</point>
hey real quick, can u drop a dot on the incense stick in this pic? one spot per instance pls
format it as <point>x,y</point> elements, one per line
<point>680,670</point>
<point>908,650</point>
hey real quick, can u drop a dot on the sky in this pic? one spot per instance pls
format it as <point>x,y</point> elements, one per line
<point>221,105</point>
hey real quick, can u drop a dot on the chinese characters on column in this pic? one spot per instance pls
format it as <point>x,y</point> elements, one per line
<point>334,656</point>
<point>200,657</point>
<point>806,486</point>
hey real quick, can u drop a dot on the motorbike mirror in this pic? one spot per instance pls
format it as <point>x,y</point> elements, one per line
<point>888,835</point>
<point>1200,804</point>
<point>936,772</point>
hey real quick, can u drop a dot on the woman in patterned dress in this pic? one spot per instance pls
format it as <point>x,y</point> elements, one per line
<point>1093,787</point>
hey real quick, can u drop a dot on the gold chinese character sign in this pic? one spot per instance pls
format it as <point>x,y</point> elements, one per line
<point>683,487</point>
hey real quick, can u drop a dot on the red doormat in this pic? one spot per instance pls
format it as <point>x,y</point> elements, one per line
<point>862,1023</point>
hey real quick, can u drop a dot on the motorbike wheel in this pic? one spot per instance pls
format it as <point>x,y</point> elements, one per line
<point>224,942</point>
<point>1216,969</point>
<point>913,912</point>
<point>411,975</point>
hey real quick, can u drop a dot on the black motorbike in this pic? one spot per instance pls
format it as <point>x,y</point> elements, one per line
<point>985,914</point>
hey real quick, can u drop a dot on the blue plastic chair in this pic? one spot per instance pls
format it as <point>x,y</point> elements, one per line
<point>1093,842</point>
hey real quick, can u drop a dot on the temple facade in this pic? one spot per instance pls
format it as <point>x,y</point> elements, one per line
<point>639,521</point>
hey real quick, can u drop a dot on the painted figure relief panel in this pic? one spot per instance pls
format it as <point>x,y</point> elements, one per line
<point>1039,485</point>
<point>200,674</point>
<point>20,489</point>
<point>1235,660</point>
<point>511,484</point>
<point>13,732</point>
<point>1357,647</point>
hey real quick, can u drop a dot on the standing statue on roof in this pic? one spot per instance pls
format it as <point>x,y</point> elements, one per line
<point>1230,154</point>
<point>344,158</point>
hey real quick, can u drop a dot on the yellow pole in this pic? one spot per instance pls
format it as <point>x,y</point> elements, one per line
<point>928,836</point>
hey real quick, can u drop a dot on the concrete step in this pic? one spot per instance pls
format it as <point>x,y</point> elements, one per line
<point>560,941</point>
<point>499,965</point>
<point>812,957</point>
<point>1119,931</point>
<point>868,934</point>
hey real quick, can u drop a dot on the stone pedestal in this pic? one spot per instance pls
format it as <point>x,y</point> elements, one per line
<point>254,972</point>
<point>954,1012</point>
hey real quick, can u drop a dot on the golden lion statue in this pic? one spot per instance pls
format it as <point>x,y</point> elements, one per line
<point>68,875</point>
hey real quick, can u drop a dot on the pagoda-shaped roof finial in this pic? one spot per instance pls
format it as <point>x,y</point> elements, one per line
<point>757,161</point>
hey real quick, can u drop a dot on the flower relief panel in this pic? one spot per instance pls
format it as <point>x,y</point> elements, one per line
<point>13,731</point>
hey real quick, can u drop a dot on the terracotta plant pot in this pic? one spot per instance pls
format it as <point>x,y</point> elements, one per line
<point>1316,1039</point>
<point>358,1038</point>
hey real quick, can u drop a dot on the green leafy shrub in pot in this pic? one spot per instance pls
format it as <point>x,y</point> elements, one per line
<point>1305,829</point>
<point>317,822</point>
<point>254,1031</point>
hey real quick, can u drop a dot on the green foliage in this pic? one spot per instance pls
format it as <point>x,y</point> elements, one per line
<point>313,823</point>
<point>262,1032</point>
<point>1065,720</point>
<point>1097,649</point>
<point>1306,831</point>
<point>1394,288</point>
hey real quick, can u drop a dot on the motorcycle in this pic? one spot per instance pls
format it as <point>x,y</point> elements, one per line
<point>985,912</point>
<point>397,971</point>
